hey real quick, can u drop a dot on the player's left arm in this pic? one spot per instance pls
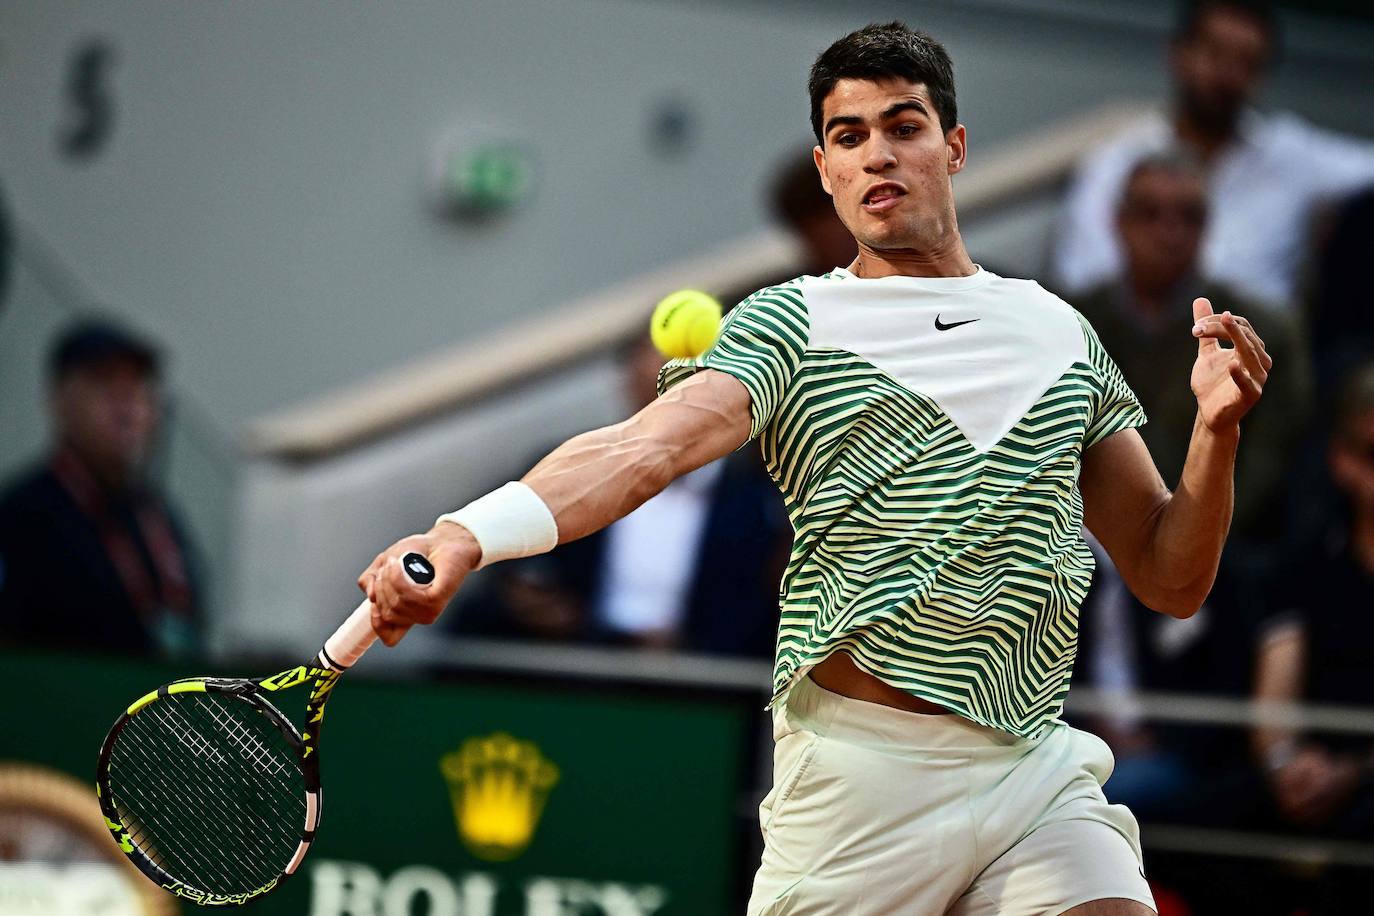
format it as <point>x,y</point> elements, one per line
<point>1167,545</point>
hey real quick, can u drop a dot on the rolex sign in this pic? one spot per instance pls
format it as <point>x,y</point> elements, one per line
<point>504,797</point>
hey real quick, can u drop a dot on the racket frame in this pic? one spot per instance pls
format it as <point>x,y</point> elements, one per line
<point>305,746</point>
<point>339,653</point>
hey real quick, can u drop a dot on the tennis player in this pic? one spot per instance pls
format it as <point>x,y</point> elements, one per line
<point>940,435</point>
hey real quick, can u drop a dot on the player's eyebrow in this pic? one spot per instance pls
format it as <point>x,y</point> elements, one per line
<point>888,113</point>
<point>908,105</point>
<point>842,119</point>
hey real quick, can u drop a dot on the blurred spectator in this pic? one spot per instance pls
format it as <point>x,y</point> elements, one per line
<point>799,203</point>
<point>90,555</point>
<point>1145,317</point>
<point>1340,330</point>
<point>1168,771</point>
<point>1318,646</point>
<point>697,567</point>
<point>1341,311</point>
<point>1266,172</point>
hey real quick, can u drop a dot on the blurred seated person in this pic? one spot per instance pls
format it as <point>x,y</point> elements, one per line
<point>1144,319</point>
<point>1168,771</point>
<point>1318,644</point>
<point>801,205</point>
<point>1144,316</point>
<point>1340,309</point>
<point>91,556</point>
<point>695,568</point>
<point>1267,173</point>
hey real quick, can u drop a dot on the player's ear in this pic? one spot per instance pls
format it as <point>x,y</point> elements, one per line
<point>956,145</point>
<point>818,155</point>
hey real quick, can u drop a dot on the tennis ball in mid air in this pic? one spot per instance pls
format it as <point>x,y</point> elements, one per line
<point>685,323</point>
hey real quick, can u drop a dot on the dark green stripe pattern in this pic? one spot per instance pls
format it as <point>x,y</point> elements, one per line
<point>953,574</point>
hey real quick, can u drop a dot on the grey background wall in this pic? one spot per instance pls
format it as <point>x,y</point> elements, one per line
<point>259,207</point>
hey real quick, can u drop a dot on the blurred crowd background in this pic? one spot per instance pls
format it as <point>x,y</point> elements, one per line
<point>282,281</point>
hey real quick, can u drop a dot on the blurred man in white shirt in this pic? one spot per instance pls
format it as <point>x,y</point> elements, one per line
<point>1266,172</point>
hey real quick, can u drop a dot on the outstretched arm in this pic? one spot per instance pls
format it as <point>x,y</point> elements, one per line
<point>587,482</point>
<point>1166,545</point>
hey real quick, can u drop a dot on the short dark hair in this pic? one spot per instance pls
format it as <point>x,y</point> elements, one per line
<point>1261,12</point>
<point>885,51</point>
<point>1171,161</point>
<point>92,341</point>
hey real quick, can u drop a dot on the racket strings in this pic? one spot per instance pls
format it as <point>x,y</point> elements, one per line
<point>210,789</point>
<point>172,842</point>
<point>163,847</point>
<point>237,823</point>
<point>156,750</point>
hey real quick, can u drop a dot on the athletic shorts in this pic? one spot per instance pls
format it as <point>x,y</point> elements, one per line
<point>876,812</point>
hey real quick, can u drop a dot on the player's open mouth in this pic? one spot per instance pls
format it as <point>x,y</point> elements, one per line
<point>883,197</point>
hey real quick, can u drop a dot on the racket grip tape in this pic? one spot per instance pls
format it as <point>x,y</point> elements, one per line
<point>342,650</point>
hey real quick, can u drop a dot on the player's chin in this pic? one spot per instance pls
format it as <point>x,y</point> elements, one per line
<point>886,236</point>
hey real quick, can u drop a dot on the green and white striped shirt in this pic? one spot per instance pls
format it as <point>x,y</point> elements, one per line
<point>927,434</point>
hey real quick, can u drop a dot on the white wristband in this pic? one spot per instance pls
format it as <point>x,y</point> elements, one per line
<point>508,523</point>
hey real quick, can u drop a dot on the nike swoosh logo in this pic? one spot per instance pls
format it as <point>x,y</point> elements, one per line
<point>941,326</point>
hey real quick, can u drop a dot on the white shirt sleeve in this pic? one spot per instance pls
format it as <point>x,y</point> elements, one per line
<point>1340,164</point>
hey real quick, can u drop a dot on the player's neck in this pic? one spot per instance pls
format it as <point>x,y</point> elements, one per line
<point>949,259</point>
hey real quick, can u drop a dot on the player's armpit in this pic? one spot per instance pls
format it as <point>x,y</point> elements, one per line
<point>595,478</point>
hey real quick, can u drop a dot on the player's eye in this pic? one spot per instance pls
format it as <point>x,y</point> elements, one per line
<point>847,139</point>
<point>907,130</point>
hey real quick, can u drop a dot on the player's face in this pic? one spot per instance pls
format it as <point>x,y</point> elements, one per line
<point>887,164</point>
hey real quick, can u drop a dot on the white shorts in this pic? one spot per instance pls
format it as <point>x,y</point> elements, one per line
<point>883,812</point>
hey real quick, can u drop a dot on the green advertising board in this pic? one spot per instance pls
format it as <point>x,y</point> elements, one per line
<point>630,806</point>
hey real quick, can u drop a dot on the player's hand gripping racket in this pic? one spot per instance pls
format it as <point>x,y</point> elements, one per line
<point>213,792</point>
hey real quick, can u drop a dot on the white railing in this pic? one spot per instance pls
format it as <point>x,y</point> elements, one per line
<point>448,379</point>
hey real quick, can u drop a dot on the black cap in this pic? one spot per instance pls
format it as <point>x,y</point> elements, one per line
<point>93,341</point>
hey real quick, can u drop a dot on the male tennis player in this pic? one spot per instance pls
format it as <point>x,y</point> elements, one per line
<point>940,435</point>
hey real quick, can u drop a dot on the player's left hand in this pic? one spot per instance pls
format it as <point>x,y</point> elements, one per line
<point>398,603</point>
<point>1226,382</point>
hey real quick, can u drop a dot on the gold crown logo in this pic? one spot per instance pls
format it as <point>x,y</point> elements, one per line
<point>498,786</point>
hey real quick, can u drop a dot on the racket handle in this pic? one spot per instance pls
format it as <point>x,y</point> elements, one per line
<point>342,650</point>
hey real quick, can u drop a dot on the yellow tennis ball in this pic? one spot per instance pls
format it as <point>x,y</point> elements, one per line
<point>685,323</point>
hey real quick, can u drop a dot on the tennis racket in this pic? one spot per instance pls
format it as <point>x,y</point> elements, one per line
<point>210,790</point>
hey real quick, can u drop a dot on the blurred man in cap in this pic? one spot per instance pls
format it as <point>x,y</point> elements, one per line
<point>90,555</point>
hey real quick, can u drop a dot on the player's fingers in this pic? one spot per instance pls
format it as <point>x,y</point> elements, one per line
<point>1202,308</point>
<point>1207,330</point>
<point>368,574</point>
<point>1249,388</point>
<point>390,633</point>
<point>1246,348</point>
<point>384,598</point>
<point>1265,359</point>
<point>1245,323</point>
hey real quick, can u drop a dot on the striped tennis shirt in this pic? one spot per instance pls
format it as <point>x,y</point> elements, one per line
<point>927,434</point>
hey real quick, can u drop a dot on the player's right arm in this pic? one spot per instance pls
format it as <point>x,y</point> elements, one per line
<point>586,484</point>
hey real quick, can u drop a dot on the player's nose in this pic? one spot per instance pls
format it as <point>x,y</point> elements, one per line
<point>879,156</point>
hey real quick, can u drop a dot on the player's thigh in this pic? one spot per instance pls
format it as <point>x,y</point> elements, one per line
<point>1081,850</point>
<point>1056,868</point>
